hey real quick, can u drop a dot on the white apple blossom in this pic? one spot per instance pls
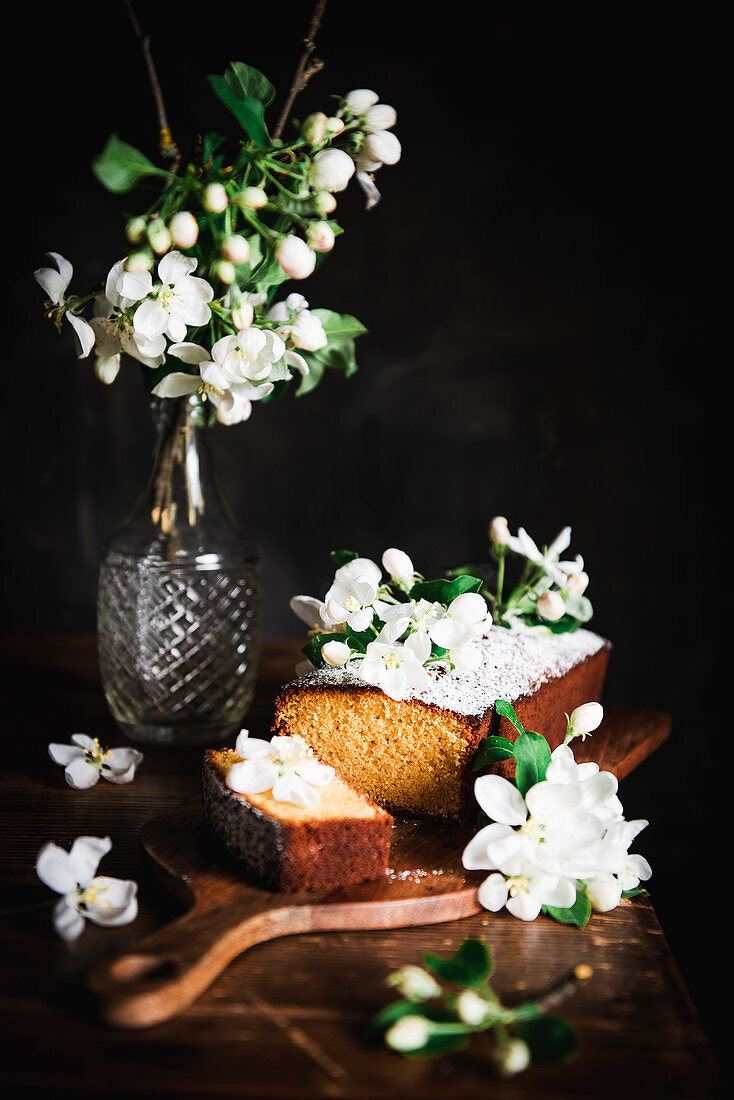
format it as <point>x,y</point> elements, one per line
<point>85,896</point>
<point>284,765</point>
<point>85,760</point>
<point>56,283</point>
<point>298,326</point>
<point>525,892</point>
<point>114,332</point>
<point>558,571</point>
<point>330,170</point>
<point>351,601</point>
<point>466,620</point>
<point>394,668</point>
<point>359,567</point>
<point>169,306</point>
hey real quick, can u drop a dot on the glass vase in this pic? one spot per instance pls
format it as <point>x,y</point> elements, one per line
<point>179,599</point>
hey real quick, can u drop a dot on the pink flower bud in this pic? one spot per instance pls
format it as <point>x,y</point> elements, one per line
<point>252,198</point>
<point>331,170</point>
<point>215,198</point>
<point>360,100</point>
<point>313,129</point>
<point>224,271</point>
<point>334,126</point>
<point>321,237</point>
<point>324,202</point>
<point>295,257</point>
<point>577,584</point>
<point>183,229</point>
<point>551,607</point>
<point>381,146</point>
<point>236,248</point>
<point>499,532</point>
<point>336,653</point>
<point>380,117</point>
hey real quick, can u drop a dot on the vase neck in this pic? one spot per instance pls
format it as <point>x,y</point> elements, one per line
<point>181,488</point>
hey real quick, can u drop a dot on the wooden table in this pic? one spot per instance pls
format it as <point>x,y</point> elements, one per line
<point>285,1020</point>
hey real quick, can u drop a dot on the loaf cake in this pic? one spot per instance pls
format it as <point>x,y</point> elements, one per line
<point>344,839</point>
<point>414,756</point>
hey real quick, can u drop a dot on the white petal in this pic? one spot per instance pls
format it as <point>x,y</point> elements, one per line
<point>315,773</point>
<point>252,776</point>
<point>293,359</point>
<point>251,748</point>
<point>291,788</point>
<point>116,902</point>
<point>560,893</point>
<point>52,282</point>
<point>80,774</point>
<point>84,333</point>
<point>420,645</point>
<point>177,385</point>
<point>64,754</point>
<point>55,869</point>
<point>467,658</point>
<point>370,191</point>
<point>84,741</point>
<point>85,854</point>
<point>524,906</point>
<point>189,353</point>
<point>492,894</point>
<point>67,921</point>
<point>450,634</point>
<point>500,800</point>
<point>121,765</point>
<point>475,856</point>
<point>468,608</point>
<point>547,798</point>
<point>150,318</point>
<point>175,266</point>
<point>135,285</point>
<point>604,894</point>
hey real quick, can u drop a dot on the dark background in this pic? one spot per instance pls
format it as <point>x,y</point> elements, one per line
<point>530,283</point>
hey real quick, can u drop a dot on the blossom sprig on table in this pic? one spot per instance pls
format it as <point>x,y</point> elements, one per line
<point>105,901</point>
<point>216,238</point>
<point>389,630</point>
<point>556,840</point>
<point>86,759</point>
<point>546,593</point>
<point>450,1000</point>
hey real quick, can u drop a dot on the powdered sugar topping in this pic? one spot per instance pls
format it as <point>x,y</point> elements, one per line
<point>514,663</point>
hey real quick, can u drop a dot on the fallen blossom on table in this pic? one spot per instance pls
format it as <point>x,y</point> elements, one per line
<point>108,902</point>
<point>85,760</point>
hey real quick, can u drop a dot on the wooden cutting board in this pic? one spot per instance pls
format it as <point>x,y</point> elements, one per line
<point>425,884</point>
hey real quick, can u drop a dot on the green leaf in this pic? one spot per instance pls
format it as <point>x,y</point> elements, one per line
<point>439,1044</point>
<point>444,591</point>
<point>471,965</point>
<point>119,167</point>
<point>508,711</point>
<point>339,326</point>
<point>247,110</point>
<point>636,892</point>
<point>338,355</point>
<point>491,751</point>
<point>245,81</point>
<point>551,1040</point>
<point>342,557</point>
<point>532,755</point>
<point>577,915</point>
<point>565,625</point>
<point>310,381</point>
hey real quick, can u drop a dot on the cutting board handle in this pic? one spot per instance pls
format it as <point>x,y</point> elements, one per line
<point>166,971</point>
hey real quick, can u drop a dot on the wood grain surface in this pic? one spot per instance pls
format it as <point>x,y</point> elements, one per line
<point>286,1018</point>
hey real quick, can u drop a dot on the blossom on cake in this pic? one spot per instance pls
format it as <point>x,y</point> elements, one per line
<point>284,765</point>
<point>85,760</point>
<point>560,842</point>
<point>85,895</point>
<point>390,631</point>
<point>532,587</point>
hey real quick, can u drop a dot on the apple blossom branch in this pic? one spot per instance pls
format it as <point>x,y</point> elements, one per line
<point>306,67</point>
<point>168,148</point>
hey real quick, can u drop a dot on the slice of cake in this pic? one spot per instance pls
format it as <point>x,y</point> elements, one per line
<point>414,756</point>
<point>338,838</point>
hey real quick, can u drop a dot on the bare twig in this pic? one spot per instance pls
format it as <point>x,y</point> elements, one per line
<point>168,148</point>
<point>307,67</point>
